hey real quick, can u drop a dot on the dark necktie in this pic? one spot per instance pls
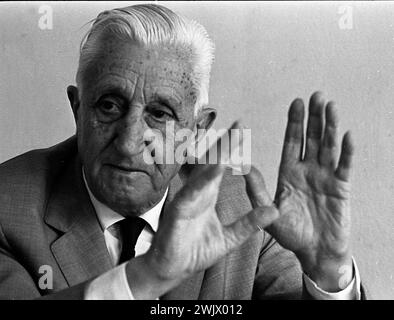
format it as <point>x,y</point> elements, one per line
<point>130,229</point>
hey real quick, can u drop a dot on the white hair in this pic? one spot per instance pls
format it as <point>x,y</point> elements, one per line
<point>152,25</point>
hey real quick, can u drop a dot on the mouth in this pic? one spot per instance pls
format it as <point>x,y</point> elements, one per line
<point>124,168</point>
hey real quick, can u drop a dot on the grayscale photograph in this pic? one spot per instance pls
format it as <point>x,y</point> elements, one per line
<point>158,150</point>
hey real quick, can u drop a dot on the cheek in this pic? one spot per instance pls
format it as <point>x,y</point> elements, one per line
<point>93,137</point>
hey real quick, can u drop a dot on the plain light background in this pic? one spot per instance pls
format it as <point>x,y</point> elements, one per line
<point>267,54</point>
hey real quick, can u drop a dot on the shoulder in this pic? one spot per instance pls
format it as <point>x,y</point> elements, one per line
<point>31,165</point>
<point>25,179</point>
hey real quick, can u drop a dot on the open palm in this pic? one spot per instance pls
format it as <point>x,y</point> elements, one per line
<point>313,194</point>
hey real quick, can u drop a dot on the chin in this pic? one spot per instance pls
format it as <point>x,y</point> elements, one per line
<point>128,206</point>
<point>127,193</point>
<point>133,199</point>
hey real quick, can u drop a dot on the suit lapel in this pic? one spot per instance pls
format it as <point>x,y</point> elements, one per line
<point>80,251</point>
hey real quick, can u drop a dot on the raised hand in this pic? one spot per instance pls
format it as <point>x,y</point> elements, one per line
<point>313,193</point>
<point>190,237</point>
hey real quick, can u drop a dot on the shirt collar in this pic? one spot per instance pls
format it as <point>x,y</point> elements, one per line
<point>107,217</point>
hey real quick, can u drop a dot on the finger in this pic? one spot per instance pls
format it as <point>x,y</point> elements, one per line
<point>221,151</point>
<point>256,189</point>
<point>294,136</point>
<point>315,126</point>
<point>345,160</point>
<point>208,176</point>
<point>328,155</point>
<point>205,181</point>
<point>256,220</point>
<point>240,156</point>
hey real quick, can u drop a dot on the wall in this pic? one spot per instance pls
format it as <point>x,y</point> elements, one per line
<point>267,54</point>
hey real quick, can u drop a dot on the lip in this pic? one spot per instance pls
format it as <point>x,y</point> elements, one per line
<point>124,168</point>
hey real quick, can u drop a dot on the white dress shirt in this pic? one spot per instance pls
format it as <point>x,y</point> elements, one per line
<point>108,217</point>
<point>113,285</point>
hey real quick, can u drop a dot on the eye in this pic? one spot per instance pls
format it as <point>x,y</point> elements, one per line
<point>109,109</point>
<point>160,112</point>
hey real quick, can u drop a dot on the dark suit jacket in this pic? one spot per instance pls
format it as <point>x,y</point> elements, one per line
<point>46,218</point>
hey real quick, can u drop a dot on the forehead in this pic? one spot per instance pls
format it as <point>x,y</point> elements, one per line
<point>129,65</point>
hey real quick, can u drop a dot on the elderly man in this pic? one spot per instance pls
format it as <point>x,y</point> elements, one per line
<point>90,218</point>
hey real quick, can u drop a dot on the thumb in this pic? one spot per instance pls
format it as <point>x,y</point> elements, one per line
<point>256,220</point>
<point>256,188</point>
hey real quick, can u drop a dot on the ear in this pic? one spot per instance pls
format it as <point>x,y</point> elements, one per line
<point>206,118</point>
<point>72,93</point>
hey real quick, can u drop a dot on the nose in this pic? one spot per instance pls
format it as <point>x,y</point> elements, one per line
<point>130,133</point>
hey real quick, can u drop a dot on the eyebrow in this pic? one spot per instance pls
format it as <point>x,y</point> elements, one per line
<point>110,89</point>
<point>116,86</point>
<point>169,100</point>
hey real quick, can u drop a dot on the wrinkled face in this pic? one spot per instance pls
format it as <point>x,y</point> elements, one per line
<point>132,89</point>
